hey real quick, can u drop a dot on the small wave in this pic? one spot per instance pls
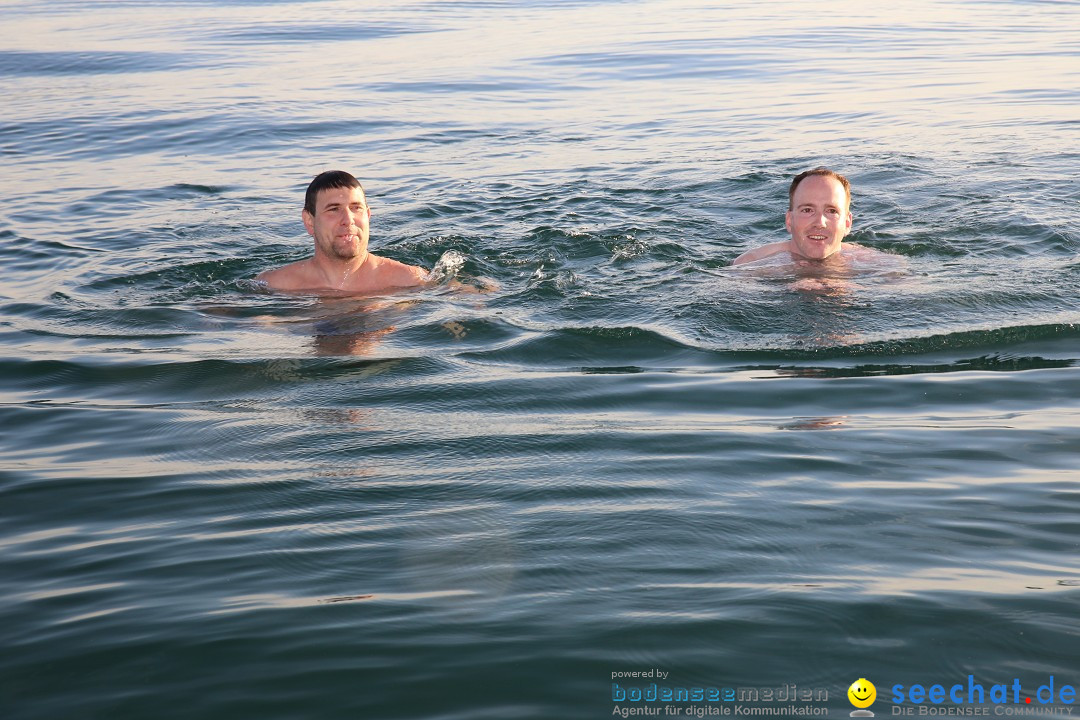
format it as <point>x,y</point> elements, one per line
<point>641,347</point>
<point>27,63</point>
<point>148,382</point>
<point>314,32</point>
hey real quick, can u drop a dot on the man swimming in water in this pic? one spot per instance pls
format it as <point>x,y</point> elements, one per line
<point>336,215</point>
<point>818,219</point>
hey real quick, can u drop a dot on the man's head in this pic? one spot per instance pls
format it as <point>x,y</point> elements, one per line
<point>818,215</point>
<point>336,214</point>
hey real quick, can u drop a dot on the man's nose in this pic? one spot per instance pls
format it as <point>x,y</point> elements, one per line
<point>820,219</point>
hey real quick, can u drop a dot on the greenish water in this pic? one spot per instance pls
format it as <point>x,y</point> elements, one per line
<point>219,502</point>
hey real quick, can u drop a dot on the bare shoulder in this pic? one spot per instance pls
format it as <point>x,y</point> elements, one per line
<point>294,276</point>
<point>762,252</point>
<point>399,274</point>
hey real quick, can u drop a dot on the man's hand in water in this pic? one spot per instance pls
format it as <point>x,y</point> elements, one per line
<point>483,286</point>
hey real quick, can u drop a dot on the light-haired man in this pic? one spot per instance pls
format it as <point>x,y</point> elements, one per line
<point>337,216</point>
<point>818,218</point>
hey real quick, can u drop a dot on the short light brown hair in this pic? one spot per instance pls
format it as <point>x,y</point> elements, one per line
<point>826,172</point>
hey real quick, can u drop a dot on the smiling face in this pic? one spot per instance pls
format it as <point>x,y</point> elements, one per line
<point>862,693</point>
<point>340,223</point>
<point>818,219</point>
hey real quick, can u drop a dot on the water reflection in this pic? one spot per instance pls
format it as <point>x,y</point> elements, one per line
<point>356,344</point>
<point>815,423</point>
<point>362,418</point>
<point>820,304</point>
<point>824,311</point>
<point>338,326</point>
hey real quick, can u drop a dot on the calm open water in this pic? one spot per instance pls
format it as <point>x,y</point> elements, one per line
<point>217,502</point>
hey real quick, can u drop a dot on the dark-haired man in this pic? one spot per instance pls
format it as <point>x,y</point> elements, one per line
<point>818,218</point>
<point>336,215</point>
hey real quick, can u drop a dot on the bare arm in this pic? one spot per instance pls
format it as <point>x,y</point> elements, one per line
<point>408,275</point>
<point>762,252</point>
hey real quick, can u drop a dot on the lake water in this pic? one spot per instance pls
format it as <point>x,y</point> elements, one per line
<point>219,502</point>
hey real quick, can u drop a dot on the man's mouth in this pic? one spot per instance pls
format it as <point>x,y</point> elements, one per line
<point>818,238</point>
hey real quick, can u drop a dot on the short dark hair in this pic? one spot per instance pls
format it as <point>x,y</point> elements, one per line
<point>326,181</point>
<point>826,172</point>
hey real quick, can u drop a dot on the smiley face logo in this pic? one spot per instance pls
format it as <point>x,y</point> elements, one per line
<point>862,693</point>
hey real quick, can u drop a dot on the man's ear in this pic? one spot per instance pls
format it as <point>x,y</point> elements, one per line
<point>309,222</point>
<point>847,224</point>
<point>787,220</point>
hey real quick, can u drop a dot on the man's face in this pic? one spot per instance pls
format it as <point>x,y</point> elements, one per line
<point>819,217</point>
<point>340,223</point>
